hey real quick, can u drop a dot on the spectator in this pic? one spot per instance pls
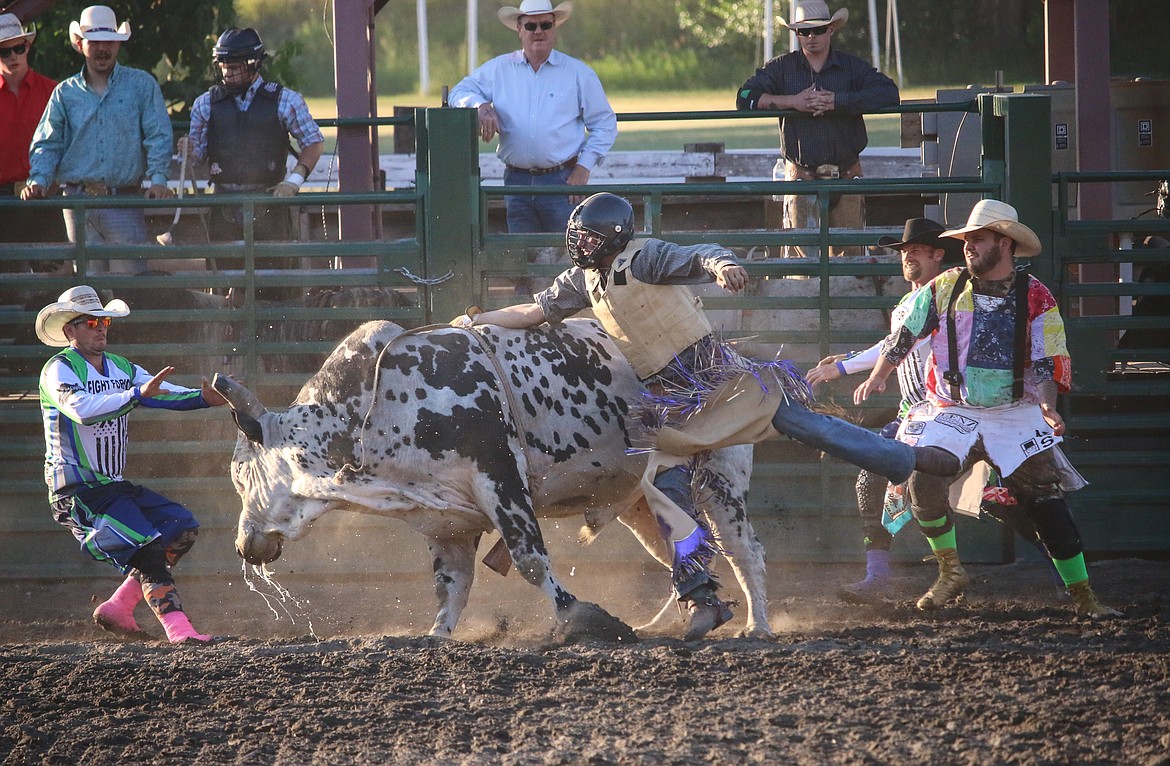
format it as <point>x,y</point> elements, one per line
<point>997,362</point>
<point>104,131</point>
<point>707,395</point>
<point>23,96</point>
<point>241,127</point>
<point>554,121</point>
<point>87,394</point>
<point>833,87</point>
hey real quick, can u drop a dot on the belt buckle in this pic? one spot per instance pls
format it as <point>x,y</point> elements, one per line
<point>828,171</point>
<point>95,190</point>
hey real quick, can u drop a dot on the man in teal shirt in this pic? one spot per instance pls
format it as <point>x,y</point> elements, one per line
<point>104,131</point>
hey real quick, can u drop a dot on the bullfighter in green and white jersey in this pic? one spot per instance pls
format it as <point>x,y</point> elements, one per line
<point>87,394</point>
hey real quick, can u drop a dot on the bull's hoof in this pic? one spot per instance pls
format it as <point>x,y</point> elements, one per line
<point>583,621</point>
<point>758,632</point>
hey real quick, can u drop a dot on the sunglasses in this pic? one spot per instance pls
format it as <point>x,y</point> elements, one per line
<point>531,26</point>
<point>92,322</point>
<point>14,50</point>
<point>812,31</point>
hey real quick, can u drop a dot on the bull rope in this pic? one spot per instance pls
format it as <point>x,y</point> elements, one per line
<point>514,411</point>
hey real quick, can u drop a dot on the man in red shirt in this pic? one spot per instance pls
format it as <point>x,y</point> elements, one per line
<point>23,96</point>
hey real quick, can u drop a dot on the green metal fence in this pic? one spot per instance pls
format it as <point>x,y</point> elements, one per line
<point>1118,414</point>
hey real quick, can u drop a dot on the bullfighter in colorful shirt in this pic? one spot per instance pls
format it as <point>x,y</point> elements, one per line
<point>998,360</point>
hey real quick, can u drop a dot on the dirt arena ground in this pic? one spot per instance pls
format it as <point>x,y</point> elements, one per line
<point>1008,677</point>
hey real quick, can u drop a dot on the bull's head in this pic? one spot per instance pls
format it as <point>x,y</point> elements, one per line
<point>272,512</point>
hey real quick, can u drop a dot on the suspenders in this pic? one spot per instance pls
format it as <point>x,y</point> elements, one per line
<point>951,375</point>
<point>1021,348</point>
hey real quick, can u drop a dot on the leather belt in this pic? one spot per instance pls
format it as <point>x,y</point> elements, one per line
<point>844,170</point>
<point>569,163</point>
<point>99,190</point>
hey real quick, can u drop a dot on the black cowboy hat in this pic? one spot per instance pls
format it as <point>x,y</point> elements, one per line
<point>923,231</point>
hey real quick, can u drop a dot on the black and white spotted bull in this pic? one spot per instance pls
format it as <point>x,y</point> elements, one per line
<point>461,432</point>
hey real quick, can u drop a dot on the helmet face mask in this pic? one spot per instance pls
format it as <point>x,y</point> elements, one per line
<point>599,227</point>
<point>584,246</point>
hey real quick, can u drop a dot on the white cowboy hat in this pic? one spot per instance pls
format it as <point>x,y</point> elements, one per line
<point>77,301</point>
<point>98,23</point>
<point>509,15</point>
<point>10,29</point>
<point>815,13</point>
<point>1002,218</point>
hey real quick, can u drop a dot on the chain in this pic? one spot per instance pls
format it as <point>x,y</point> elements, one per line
<point>423,280</point>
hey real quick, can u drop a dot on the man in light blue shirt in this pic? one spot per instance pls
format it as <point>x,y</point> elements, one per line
<point>104,131</point>
<point>550,111</point>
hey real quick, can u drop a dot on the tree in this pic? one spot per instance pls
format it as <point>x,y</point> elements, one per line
<point>721,22</point>
<point>172,39</point>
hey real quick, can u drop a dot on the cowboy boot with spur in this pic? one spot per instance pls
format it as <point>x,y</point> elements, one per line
<point>952,581</point>
<point>707,611</point>
<point>695,585</point>
<point>1086,604</point>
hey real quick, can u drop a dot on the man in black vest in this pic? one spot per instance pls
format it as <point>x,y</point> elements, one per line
<point>241,127</point>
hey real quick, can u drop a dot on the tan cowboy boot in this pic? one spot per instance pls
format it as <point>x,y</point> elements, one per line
<point>951,583</point>
<point>1086,603</point>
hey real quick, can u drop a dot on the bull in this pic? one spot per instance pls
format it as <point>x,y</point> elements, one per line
<point>460,432</point>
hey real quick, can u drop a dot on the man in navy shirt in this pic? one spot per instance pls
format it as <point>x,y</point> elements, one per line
<point>834,89</point>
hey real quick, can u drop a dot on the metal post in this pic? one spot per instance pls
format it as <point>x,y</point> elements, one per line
<point>353,24</point>
<point>451,205</point>
<point>769,29</point>
<point>1028,174</point>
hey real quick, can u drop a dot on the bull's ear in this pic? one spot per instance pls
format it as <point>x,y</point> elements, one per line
<point>249,427</point>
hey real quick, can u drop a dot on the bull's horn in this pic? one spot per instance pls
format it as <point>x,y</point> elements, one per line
<point>238,396</point>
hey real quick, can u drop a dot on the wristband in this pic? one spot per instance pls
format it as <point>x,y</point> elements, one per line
<point>841,369</point>
<point>296,179</point>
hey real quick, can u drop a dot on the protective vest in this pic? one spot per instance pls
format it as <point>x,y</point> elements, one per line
<point>250,146</point>
<point>649,324</point>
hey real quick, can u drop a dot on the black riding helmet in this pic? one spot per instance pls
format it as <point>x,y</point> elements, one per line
<point>236,45</point>
<point>600,226</point>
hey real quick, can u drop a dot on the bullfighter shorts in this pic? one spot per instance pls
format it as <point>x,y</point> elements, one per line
<point>113,521</point>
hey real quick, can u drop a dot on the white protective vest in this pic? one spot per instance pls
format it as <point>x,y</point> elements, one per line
<point>650,324</point>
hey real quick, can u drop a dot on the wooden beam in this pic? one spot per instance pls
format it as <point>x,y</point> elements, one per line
<point>353,26</point>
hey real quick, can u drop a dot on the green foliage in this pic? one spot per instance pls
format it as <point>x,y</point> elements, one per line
<point>1144,51</point>
<point>172,39</point>
<point>649,45</point>
<point>661,68</point>
<point>715,23</point>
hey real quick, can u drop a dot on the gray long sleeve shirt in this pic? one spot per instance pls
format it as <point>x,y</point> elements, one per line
<point>657,263</point>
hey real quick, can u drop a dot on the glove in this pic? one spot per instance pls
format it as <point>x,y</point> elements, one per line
<point>467,320</point>
<point>285,189</point>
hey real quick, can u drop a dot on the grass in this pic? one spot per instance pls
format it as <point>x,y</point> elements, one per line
<point>751,133</point>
